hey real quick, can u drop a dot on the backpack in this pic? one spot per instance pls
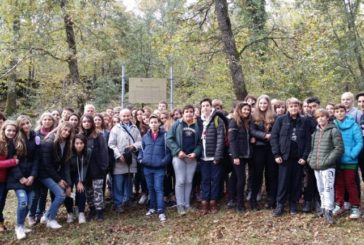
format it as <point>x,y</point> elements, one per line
<point>226,126</point>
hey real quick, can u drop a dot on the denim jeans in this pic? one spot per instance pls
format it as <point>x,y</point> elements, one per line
<point>25,198</point>
<point>3,194</point>
<point>58,199</point>
<point>184,170</point>
<point>122,188</point>
<point>211,175</point>
<point>154,179</point>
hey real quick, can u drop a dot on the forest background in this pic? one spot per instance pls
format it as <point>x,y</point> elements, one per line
<point>57,53</point>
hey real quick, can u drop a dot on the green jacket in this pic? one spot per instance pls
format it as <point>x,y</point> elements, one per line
<point>326,148</point>
<point>174,138</point>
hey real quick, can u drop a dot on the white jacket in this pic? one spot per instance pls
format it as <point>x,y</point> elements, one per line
<point>119,139</point>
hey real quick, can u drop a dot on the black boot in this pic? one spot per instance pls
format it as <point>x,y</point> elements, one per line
<point>91,214</point>
<point>278,211</point>
<point>306,207</point>
<point>100,215</point>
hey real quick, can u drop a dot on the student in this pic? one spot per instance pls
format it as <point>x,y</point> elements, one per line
<point>76,170</point>
<point>46,124</point>
<point>124,135</point>
<point>90,110</point>
<point>154,156</point>
<point>184,141</point>
<point>263,159</point>
<point>213,143</point>
<point>66,113</point>
<point>57,116</point>
<point>347,99</point>
<point>326,148</point>
<point>291,143</point>
<point>345,179</point>
<point>279,107</point>
<point>97,169</point>
<point>240,148</point>
<point>56,151</point>
<point>74,119</point>
<point>11,148</point>
<point>162,106</point>
<point>21,177</point>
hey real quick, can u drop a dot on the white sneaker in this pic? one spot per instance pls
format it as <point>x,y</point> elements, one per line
<point>347,205</point>
<point>53,224</point>
<point>44,220</point>
<point>338,210</point>
<point>150,212</point>
<point>81,218</point>
<point>162,218</point>
<point>355,213</point>
<point>143,199</point>
<point>27,230</point>
<point>31,221</point>
<point>70,218</point>
<point>20,233</point>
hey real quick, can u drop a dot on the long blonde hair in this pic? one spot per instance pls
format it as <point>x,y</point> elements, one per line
<point>265,117</point>
<point>40,121</point>
<point>18,140</point>
<point>57,138</point>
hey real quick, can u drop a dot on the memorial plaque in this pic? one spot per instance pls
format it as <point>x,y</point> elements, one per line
<point>147,90</point>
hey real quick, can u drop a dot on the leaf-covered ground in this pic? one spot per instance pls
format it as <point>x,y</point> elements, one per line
<point>226,227</point>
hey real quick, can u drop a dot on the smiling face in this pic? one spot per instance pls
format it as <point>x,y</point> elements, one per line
<point>125,116</point>
<point>98,122</point>
<point>206,108</point>
<point>245,111</point>
<point>340,114</point>
<point>293,109</point>
<point>263,105</point>
<point>347,100</point>
<point>188,115</point>
<point>47,122</point>
<point>26,126</point>
<point>10,131</point>
<point>65,133</point>
<point>361,102</point>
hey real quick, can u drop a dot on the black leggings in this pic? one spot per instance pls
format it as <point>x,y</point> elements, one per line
<point>240,176</point>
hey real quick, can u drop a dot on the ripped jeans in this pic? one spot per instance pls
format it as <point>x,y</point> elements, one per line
<point>24,203</point>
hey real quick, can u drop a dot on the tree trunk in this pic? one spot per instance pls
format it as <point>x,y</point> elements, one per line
<point>227,36</point>
<point>10,107</point>
<point>71,41</point>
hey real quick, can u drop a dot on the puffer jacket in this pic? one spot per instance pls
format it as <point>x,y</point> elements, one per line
<point>258,132</point>
<point>119,139</point>
<point>239,139</point>
<point>83,163</point>
<point>353,142</point>
<point>213,137</point>
<point>326,148</point>
<point>175,138</point>
<point>28,165</point>
<point>154,153</point>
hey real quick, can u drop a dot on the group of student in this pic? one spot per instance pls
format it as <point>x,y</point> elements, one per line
<point>300,149</point>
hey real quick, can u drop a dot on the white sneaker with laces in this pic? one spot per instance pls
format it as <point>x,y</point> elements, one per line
<point>162,217</point>
<point>143,199</point>
<point>150,212</point>
<point>20,233</point>
<point>355,213</point>
<point>81,218</point>
<point>338,210</point>
<point>43,220</point>
<point>70,218</point>
<point>53,224</point>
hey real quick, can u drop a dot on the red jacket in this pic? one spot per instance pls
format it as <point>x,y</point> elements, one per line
<point>4,165</point>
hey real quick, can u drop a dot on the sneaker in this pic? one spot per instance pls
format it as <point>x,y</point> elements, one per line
<point>20,233</point>
<point>278,211</point>
<point>81,218</point>
<point>27,230</point>
<point>347,205</point>
<point>150,212</point>
<point>70,218</point>
<point>43,220</point>
<point>143,199</point>
<point>53,224</point>
<point>338,210</point>
<point>181,210</point>
<point>162,217</point>
<point>355,213</point>
<point>31,221</point>
<point>329,217</point>
<point>231,204</point>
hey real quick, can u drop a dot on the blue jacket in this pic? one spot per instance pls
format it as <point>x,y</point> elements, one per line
<point>154,154</point>
<point>353,142</point>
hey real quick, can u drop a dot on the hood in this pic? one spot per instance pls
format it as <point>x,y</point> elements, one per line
<point>348,122</point>
<point>328,127</point>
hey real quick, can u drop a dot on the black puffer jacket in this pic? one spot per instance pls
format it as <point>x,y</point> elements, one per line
<point>258,132</point>
<point>281,137</point>
<point>239,139</point>
<point>213,137</point>
<point>53,161</point>
<point>28,165</point>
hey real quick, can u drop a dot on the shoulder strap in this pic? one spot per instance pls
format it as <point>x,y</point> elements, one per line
<point>127,131</point>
